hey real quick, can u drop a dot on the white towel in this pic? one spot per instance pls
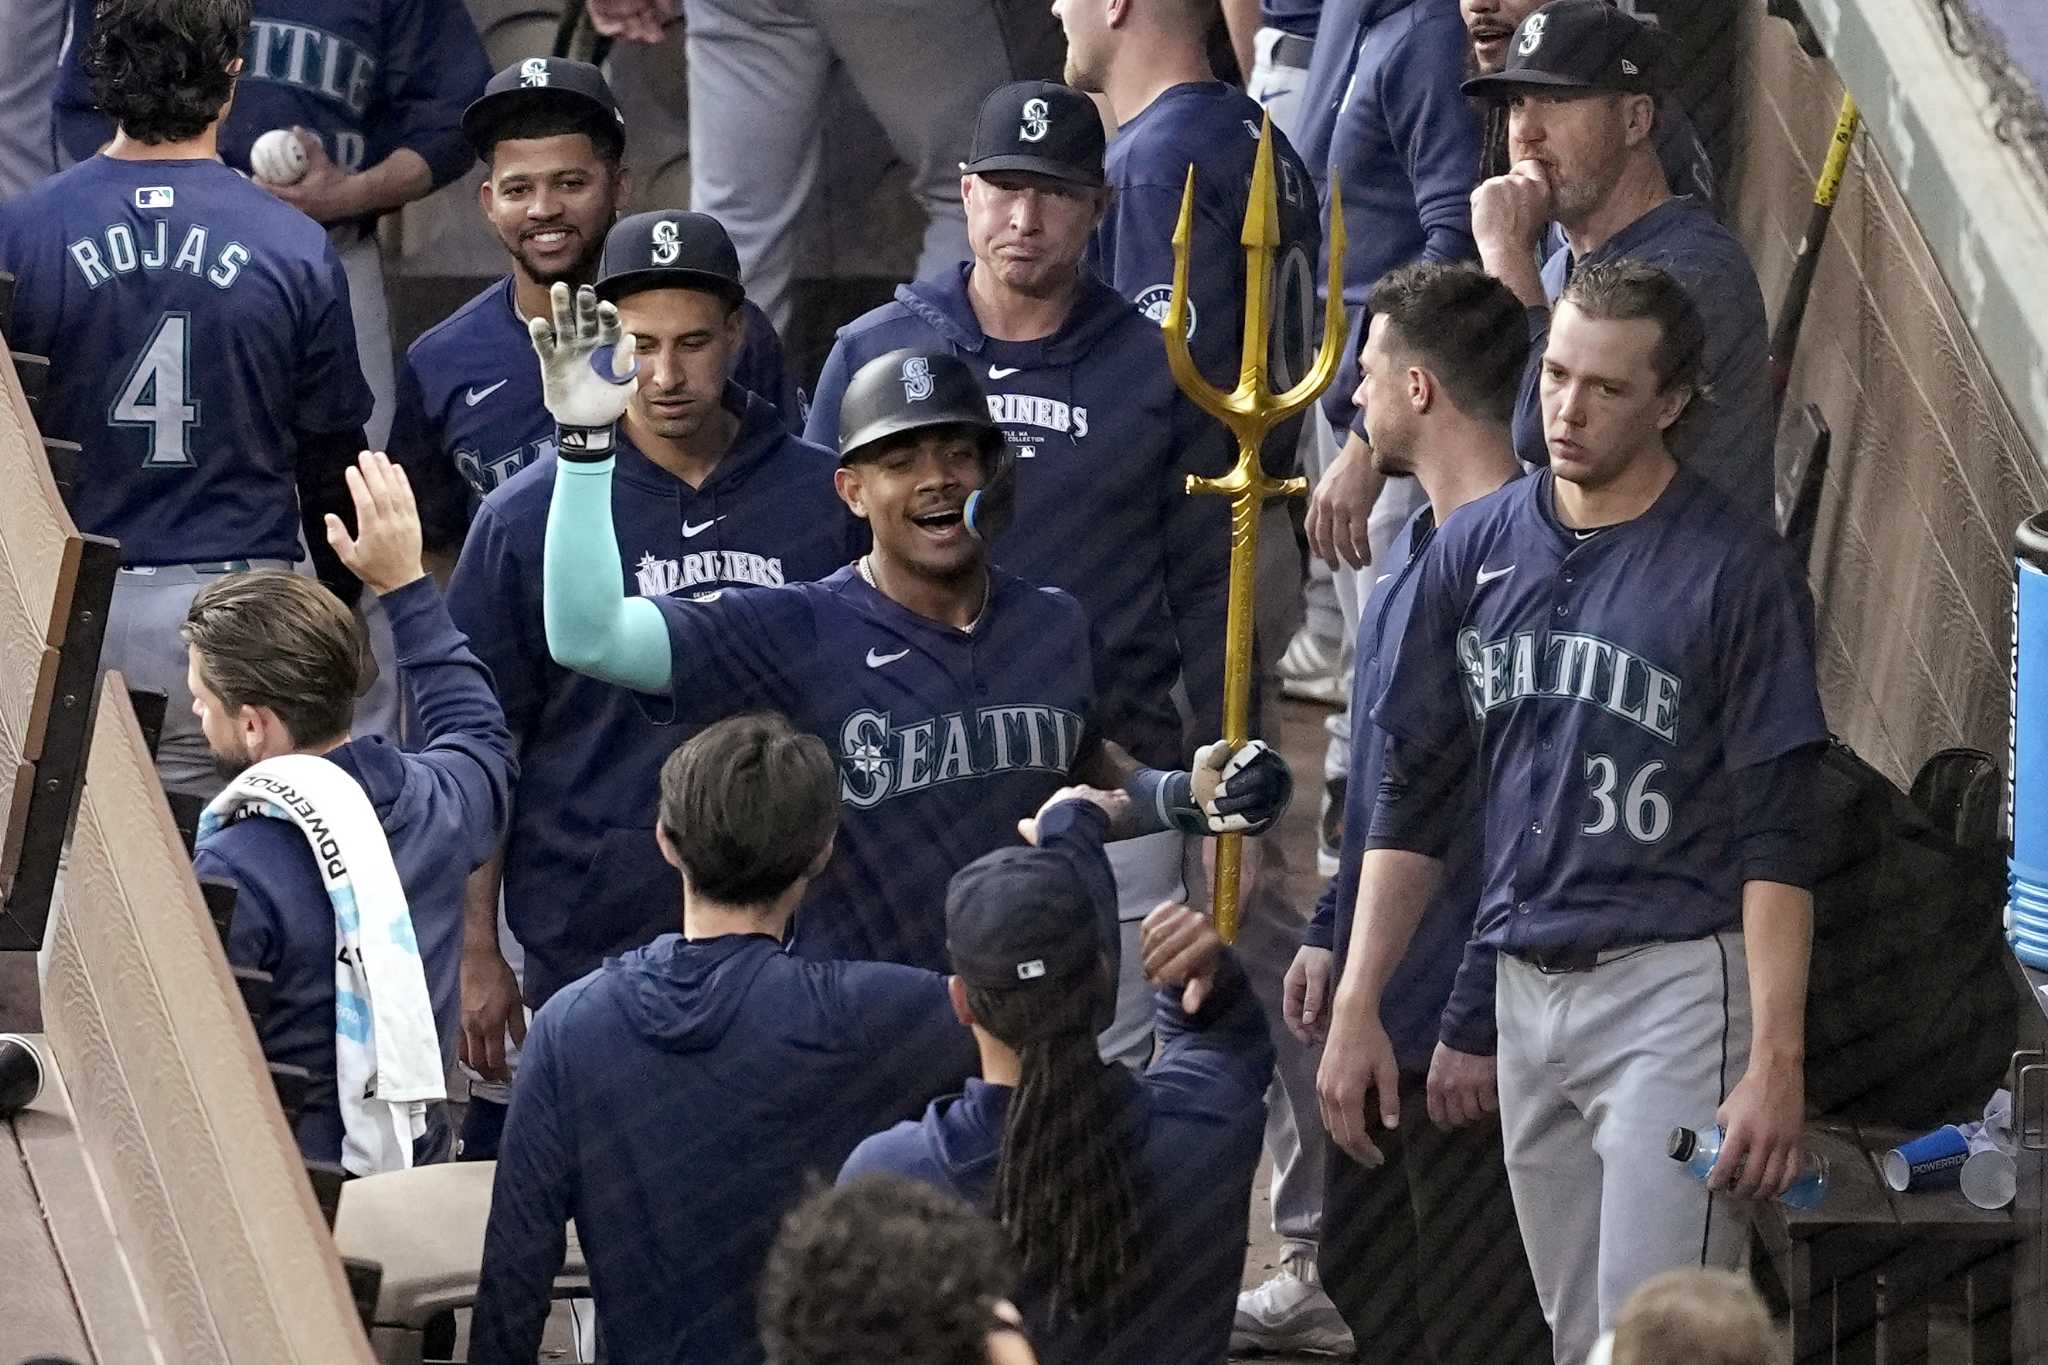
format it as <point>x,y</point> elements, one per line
<point>387,1056</point>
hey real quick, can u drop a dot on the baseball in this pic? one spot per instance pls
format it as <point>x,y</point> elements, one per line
<point>278,158</point>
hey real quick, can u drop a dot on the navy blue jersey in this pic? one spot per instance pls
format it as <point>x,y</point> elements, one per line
<point>1214,128</point>
<point>469,402</point>
<point>1731,443</point>
<point>1621,683</point>
<point>583,876</point>
<point>1442,989</point>
<point>1291,16</point>
<point>369,76</point>
<point>945,737</point>
<point>201,330</point>
<point>1104,441</point>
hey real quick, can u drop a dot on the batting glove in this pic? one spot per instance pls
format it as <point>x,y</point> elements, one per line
<point>1241,792</point>
<point>585,388</point>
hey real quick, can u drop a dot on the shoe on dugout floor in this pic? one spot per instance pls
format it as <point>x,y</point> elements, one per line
<point>1310,670</point>
<point>1287,1315</point>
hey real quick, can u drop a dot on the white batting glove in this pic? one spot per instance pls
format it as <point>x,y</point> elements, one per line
<point>1240,792</point>
<point>586,371</point>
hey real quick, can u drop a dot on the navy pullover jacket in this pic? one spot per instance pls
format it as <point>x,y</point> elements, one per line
<point>673,1103</point>
<point>442,810</point>
<point>1382,110</point>
<point>583,875</point>
<point>1194,1123</point>
<point>1104,441</point>
<point>1443,986</point>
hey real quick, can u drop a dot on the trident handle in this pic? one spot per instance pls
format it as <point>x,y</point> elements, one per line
<point>1251,411</point>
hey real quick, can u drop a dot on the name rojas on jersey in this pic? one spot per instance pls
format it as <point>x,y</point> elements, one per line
<point>880,760</point>
<point>1569,666</point>
<point>116,250</point>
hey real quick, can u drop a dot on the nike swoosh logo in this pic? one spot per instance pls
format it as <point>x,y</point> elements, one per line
<point>1003,371</point>
<point>692,532</point>
<point>877,660</point>
<point>475,396</point>
<point>1488,575</point>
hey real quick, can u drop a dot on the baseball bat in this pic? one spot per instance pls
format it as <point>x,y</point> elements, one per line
<point>1785,336</point>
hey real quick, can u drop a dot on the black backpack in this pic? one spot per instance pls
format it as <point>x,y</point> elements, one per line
<point>1910,1017</point>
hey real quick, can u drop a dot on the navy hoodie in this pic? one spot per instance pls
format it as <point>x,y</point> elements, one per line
<point>1194,1123</point>
<point>674,1104</point>
<point>1104,441</point>
<point>583,876</point>
<point>442,810</point>
<point>1382,110</point>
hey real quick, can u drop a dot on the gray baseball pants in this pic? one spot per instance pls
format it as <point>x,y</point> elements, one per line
<point>1596,1069</point>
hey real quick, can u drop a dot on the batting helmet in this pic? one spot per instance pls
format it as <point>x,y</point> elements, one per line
<point>910,390</point>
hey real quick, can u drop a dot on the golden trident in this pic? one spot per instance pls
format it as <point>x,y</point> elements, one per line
<point>1251,410</point>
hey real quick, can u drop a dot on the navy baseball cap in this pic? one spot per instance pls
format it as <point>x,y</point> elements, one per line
<point>578,89</point>
<point>1040,127</point>
<point>1020,916</point>
<point>669,249</point>
<point>1578,45</point>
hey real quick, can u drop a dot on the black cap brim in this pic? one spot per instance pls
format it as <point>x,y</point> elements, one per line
<point>481,119</point>
<point>615,287</point>
<point>1034,165</point>
<point>1502,85</point>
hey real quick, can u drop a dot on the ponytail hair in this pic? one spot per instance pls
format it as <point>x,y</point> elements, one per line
<point>1063,1188</point>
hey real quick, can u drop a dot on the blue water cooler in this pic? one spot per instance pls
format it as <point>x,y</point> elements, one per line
<point>2026,920</point>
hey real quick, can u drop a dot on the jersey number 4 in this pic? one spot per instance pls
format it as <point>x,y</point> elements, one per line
<point>155,395</point>
<point>1644,812</point>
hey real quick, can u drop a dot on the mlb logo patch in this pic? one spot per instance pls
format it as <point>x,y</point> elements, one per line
<point>1032,970</point>
<point>154,197</point>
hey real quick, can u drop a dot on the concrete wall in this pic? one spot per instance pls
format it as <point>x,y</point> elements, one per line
<point>1930,472</point>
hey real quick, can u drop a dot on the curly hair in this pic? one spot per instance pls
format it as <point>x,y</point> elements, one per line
<point>159,68</point>
<point>883,1270</point>
<point>1468,326</point>
<point>1064,1190</point>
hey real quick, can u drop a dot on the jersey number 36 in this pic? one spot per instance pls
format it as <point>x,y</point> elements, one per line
<point>1644,812</point>
<point>154,396</point>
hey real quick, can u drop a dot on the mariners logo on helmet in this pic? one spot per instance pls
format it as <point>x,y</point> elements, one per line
<point>1532,33</point>
<point>533,71</point>
<point>1154,302</point>
<point>666,248</point>
<point>917,379</point>
<point>1037,121</point>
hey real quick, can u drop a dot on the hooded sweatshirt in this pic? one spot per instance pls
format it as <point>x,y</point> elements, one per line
<point>674,1103</point>
<point>1192,1124</point>
<point>1103,441</point>
<point>583,875</point>
<point>1382,111</point>
<point>442,809</point>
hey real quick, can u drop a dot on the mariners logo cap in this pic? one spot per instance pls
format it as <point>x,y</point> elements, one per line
<point>1039,127</point>
<point>669,249</point>
<point>1021,917</point>
<point>577,89</point>
<point>1578,45</point>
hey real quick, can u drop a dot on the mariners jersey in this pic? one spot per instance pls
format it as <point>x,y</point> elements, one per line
<point>583,876</point>
<point>1621,683</point>
<point>201,327</point>
<point>1214,128</point>
<point>469,402</point>
<point>944,737</point>
<point>1103,443</point>
<point>369,76</point>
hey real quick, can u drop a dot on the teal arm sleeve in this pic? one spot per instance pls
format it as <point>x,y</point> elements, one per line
<point>592,626</point>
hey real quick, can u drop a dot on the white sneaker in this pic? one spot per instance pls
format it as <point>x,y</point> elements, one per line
<point>1311,670</point>
<point>1287,1315</point>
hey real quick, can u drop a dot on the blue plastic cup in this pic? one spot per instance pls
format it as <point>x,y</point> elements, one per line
<point>1930,1162</point>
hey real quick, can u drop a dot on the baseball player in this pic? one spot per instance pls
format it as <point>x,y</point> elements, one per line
<point>374,89</point>
<point>1101,440</point>
<point>553,139</point>
<point>710,491</point>
<point>1646,759</point>
<point>211,375</point>
<point>955,696</point>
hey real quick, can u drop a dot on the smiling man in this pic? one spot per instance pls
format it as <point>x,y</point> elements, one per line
<point>955,697</point>
<point>1101,440</point>
<point>710,492</point>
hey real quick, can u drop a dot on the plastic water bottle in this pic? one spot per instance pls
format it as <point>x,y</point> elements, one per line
<point>1699,1150</point>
